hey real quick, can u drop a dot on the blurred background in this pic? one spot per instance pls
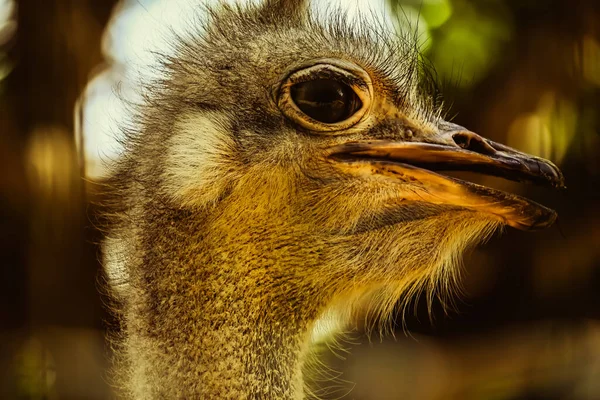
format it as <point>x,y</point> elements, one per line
<point>522,72</point>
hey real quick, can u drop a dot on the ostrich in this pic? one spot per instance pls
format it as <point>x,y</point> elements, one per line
<point>284,171</point>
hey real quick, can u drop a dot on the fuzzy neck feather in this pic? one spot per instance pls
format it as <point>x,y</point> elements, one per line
<point>230,347</point>
<point>217,316</point>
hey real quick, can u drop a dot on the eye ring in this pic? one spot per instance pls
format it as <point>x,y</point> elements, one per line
<point>346,79</point>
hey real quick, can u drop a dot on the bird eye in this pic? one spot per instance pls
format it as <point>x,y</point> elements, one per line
<point>325,100</point>
<point>328,97</point>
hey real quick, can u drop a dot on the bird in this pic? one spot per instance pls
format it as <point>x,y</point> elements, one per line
<point>286,169</point>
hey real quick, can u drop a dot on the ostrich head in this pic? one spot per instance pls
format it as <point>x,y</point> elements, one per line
<point>284,167</point>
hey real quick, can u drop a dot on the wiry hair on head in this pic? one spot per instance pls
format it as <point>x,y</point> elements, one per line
<point>287,32</point>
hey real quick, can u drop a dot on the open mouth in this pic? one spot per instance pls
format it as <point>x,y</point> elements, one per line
<point>418,164</point>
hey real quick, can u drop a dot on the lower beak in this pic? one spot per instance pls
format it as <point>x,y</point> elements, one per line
<point>416,163</point>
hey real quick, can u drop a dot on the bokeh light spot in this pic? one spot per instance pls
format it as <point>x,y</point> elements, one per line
<point>436,12</point>
<point>590,60</point>
<point>548,131</point>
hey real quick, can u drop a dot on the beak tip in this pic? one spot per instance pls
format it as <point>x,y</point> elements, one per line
<point>554,174</point>
<point>545,220</point>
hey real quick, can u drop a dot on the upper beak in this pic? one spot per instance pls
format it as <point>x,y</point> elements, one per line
<point>458,150</point>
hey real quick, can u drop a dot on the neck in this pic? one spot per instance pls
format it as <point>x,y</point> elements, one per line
<point>219,307</point>
<point>254,351</point>
<point>217,333</point>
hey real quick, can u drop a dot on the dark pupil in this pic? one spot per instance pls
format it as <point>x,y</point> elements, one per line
<point>325,100</point>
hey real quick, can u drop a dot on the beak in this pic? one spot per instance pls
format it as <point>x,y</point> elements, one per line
<point>457,149</point>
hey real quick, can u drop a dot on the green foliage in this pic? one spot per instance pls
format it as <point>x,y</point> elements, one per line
<point>462,39</point>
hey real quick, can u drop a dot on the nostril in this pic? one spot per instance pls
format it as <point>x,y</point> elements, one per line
<point>461,140</point>
<point>473,142</point>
